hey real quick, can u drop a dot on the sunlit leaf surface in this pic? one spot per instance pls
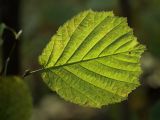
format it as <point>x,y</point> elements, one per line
<point>93,59</point>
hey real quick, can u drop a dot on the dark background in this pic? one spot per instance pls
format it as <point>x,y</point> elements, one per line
<point>39,20</point>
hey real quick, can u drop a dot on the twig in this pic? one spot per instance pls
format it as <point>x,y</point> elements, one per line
<point>29,72</point>
<point>16,35</point>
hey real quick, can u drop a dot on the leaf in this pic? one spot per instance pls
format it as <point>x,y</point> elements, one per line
<point>93,59</point>
<point>15,99</point>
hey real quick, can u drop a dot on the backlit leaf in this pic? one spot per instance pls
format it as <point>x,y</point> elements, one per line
<point>93,59</point>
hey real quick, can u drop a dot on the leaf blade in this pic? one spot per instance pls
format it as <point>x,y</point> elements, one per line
<point>100,54</point>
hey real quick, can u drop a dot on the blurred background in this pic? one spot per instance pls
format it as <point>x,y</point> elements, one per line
<point>39,20</point>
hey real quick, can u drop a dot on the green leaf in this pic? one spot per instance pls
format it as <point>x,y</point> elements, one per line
<point>15,99</point>
<point>93,59</point>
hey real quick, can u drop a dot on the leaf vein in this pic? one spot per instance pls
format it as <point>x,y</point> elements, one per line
<point>94,84</point>
<point>102,39</point>
<point>109,77</point>
<point>120,69</point>
<point>75,88</point>
<point>86,38</point>
<point>70,38</point>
